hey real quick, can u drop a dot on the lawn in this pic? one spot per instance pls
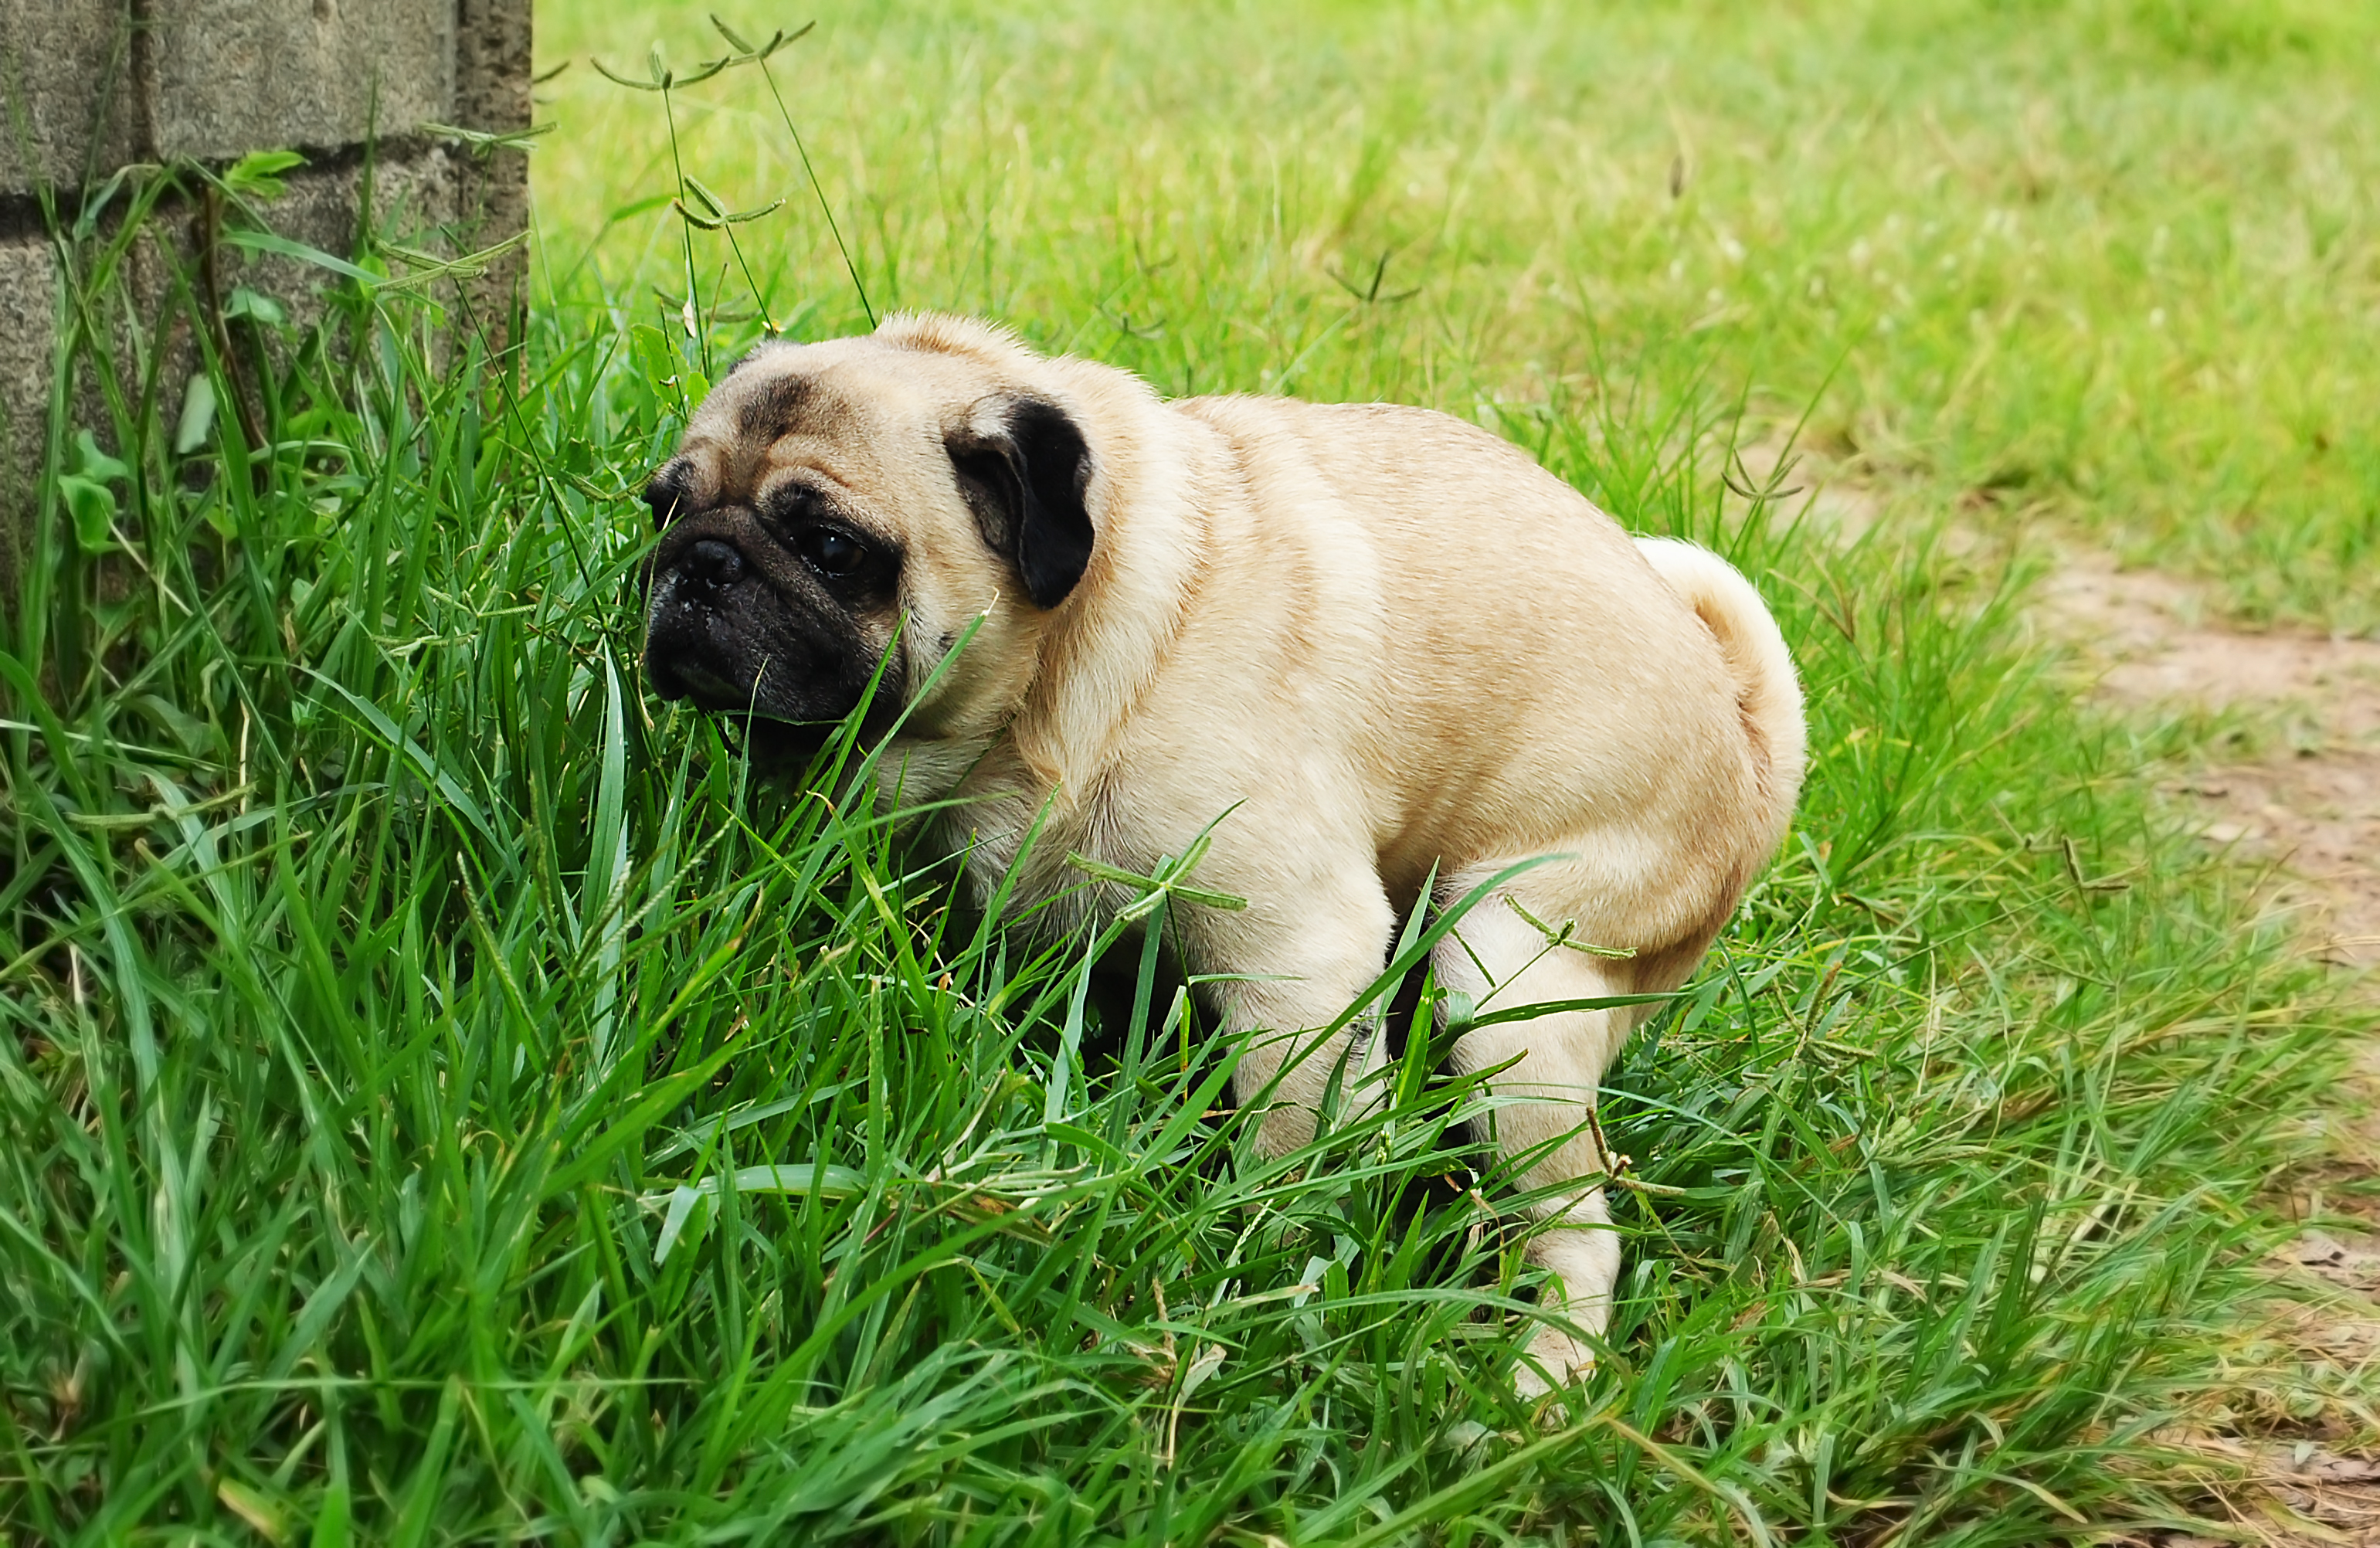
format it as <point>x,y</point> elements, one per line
<point>445,1098</point>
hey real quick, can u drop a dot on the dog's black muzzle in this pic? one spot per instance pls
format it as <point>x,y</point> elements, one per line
<point>740,628</point>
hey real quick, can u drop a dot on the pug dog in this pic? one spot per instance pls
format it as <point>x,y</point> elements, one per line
<point>1368,649</point>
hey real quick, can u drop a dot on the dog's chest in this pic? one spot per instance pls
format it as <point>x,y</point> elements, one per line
<point>1022,845</point>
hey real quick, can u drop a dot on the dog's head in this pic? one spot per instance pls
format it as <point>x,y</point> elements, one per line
<point>848,508</point>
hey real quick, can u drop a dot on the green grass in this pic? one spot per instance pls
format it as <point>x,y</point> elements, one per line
<point>443,1100</point>
<point>2112,265</point>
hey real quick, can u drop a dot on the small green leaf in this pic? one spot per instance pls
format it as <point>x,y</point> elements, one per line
<point>258,174</point>
<point>198,419</point>
<point>97,463</point>
<point>255,307</point>
<point>734,40</point>
<point>92,506</point>
<point>89,501</point>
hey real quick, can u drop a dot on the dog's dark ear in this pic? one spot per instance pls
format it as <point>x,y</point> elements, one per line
<point>1024,478</point>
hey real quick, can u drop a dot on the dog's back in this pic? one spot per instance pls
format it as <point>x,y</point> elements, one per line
<point>1527,677</point>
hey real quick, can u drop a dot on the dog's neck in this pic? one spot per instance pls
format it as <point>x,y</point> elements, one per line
<point>1108,641</point>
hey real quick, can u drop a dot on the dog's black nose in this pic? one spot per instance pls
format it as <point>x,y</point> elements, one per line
<point>713,563</point>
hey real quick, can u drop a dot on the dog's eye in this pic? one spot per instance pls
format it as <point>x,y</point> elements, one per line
<point>835,554</point>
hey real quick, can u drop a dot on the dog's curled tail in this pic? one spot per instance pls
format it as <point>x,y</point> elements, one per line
<point>1766,691</point>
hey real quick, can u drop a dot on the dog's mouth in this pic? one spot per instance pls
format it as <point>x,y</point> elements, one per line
<point>688,678</point>
<point>746,722</point>
<point>778,744</point>
<point>749,725</point>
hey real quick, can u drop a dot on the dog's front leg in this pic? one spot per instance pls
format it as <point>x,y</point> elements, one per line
<point>1281,970</point>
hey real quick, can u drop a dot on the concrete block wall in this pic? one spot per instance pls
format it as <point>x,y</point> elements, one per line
<point>89,86</point>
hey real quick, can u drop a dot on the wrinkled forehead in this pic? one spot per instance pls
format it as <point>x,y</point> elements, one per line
<point>855,409</point>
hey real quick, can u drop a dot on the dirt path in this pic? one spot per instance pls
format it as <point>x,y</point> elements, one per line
<point>2312,804</point>
<point>2304,799</point>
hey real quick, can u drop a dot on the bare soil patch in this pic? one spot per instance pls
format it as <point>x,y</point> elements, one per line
<point>2310,806</point>
<point>2307,804</point>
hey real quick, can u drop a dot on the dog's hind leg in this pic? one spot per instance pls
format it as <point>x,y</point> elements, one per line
<point>1504,960</point>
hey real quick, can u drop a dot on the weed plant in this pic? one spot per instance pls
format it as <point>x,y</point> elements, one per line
<point>444,1097</point>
